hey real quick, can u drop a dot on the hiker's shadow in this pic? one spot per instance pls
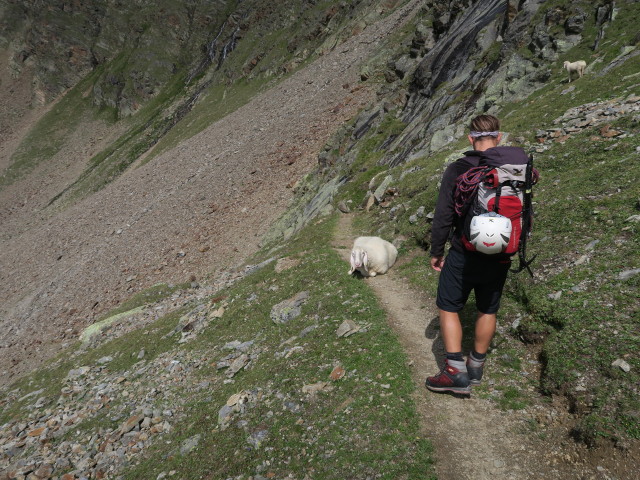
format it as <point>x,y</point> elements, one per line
<point>432,332</point>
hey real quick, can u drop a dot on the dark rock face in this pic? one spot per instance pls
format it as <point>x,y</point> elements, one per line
<point>575,23</point>
<point>443,62</point>
<point>138,46</point>
<point>474,65</point>
<point>136,49</point>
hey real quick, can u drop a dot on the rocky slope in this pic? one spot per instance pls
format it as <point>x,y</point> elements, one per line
<point>201,208</point>
<point>372,93</point>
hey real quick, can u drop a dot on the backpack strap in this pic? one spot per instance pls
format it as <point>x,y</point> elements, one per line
<point>531,177</point>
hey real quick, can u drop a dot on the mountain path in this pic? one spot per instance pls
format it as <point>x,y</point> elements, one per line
<point>471,438</point>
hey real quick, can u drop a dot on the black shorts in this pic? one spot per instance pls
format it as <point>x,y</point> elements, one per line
<point>463,272</point>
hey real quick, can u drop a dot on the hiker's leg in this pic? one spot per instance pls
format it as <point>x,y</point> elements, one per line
<point>453,377</point>
<point>488,295</point>
<point>485,330</point>
<point>451,331</point>
<point>453,292</point>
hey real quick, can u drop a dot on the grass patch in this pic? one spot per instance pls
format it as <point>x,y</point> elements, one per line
<point>511,399</point>
<point>365,422</point>
<point>146,297</point>
<point>581,308</point>
<point>51,132</point>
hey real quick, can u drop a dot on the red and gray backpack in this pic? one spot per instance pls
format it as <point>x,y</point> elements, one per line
<point>501,184</point>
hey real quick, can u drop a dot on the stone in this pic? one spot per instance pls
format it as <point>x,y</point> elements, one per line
<point>382,188</point>
<point>237,365</point>
<point>217,313</point>
<point>292,407</point>
<point>582,260</point>
<point>556,295</point>
<point>131,423</point>
<point>306,331</point>
<point>78,372</point>
<point>36,432</point>
<point>623,365</point>
<point>346,328</point>
<point>257,438</point>
<point>591,245</point>
<point>287,310</point>
<point>314,388</point>
<point>403,66</point>
<point>224,414</point>
<point>369,201</point>
<point>627,274</point>
<point>236,398</point>
<point>190,444</point>
<point>343,207</point>
<point>337,373</point>
<point>286,263</point>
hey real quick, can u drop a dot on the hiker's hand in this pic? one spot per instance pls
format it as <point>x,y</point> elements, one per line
<point>437,263</point>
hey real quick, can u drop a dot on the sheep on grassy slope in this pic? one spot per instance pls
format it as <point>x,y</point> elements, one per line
<point>372,256</point>
<point>575,67</point>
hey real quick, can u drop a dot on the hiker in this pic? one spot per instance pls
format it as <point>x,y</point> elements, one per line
<point>464,270</point>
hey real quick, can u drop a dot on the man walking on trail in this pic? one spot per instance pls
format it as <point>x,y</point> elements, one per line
<point>464,270</point>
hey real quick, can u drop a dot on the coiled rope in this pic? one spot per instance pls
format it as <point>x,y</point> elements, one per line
<point>466,187</point>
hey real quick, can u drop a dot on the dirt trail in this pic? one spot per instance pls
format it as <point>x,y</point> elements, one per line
<point>471,438</point>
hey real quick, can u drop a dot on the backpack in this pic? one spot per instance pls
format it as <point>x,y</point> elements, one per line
<point>503,188</point>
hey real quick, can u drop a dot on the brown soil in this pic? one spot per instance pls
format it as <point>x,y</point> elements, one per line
<point>472,438</point>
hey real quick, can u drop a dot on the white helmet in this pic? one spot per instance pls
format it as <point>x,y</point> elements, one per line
<point>490,232</point>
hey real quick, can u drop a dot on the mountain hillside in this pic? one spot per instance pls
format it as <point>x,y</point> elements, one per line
<point>171,293</point>
<point>69,260</point>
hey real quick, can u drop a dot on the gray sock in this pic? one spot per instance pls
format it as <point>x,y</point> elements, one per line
<point>460,365</point>
<point>474,362</point>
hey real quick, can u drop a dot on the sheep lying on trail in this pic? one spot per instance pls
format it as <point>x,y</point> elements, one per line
<point>372,255</point>
<point>575,67</point>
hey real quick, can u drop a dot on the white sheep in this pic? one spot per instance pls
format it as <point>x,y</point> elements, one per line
<point>575,67</point>
<point>372,255</point>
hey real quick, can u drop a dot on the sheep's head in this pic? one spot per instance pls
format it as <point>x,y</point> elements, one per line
<point>358,258</point>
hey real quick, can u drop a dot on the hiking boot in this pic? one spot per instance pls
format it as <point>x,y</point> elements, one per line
<point>474,369</point>
<point>450,379</point>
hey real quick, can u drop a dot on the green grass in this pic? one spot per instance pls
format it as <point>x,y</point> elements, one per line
<point>366,423</point>
<point>359,426</point>
<point>148,296</point>
<point>50,133</point>
<point>582,240</point>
